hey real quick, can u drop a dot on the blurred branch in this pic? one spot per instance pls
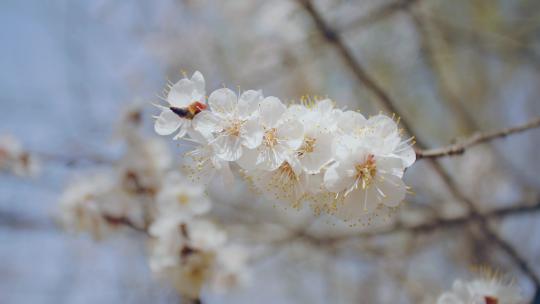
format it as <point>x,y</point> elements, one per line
<point>15,220</point>
<point>493,41</point>
<point>441,223</point>
<point>124,221</point>
<point>20,222</point>
<point>478,138</point>
<point>72,160</point>
<point>378,14</point>
<point>333,38</point>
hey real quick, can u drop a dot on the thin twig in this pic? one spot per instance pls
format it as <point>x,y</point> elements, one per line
<point>333,38</point>
<point>123,221</point>
<point>478,138</point>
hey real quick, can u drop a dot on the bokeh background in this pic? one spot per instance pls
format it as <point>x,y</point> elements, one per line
<point>69,68</point>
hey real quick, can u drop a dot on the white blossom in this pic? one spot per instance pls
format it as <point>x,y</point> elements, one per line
<point>363,179</point>
<point>231,269</point>
<point>185,99</point>
<point>80,204</point>
<point>232,124</point>
<point>203,165</point>
<point>14,159</point>
<point>482,291</point>
<point>319,121</point>
<point>282,136</point>
<point>179,197</point>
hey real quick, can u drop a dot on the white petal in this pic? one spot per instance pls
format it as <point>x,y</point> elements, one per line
<point>207,123</point>
<point>391,188</point>
<point>407,155</point>
<point>384,126</point>
<point>357,204</point>
<point>271,110</point>
<point>184,127</point>
<point>248,160</point>
<point>167,122</point>
<point>335,179</point>
<point>198,82</point>
<point>271,158</point>
<point>390,165</point>
<point>226,175</point>
<point>248,103</point>
<point>346,145</point>
<point>292,132</point>
<point>325,106</point>
<point>296,111</point>
<point>228,147</point>
<point>321,155</point>
<point>223,101</point>
<point>252,134</point>
<point>180,93</point>
<point>351,120</point>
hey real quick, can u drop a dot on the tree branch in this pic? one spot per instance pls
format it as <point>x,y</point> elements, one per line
<point>476,139</point>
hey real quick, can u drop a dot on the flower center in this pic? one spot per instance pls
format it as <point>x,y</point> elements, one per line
<point>234,128</point>
<point>287,172</point>
<point>307,147</point>
<point>270,137</point>
<point>183,199</point>
<point>366,171</point>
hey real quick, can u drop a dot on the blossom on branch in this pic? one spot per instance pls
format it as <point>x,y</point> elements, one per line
<point>343,163</point>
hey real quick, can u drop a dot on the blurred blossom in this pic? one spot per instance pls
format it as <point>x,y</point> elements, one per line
<point>14,159</point>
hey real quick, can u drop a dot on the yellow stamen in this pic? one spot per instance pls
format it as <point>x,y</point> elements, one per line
<point>270,137</point>
<point>366,171</point>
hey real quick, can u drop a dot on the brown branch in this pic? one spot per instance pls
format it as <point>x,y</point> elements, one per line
<point>123,221</point>
<point>333,38</point>
<point>476,139</point>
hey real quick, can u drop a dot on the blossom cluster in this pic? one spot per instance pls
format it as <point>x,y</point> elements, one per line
<point>143,192</point>
<point>189,249</point>
<point>14,159</point>
<point>340,161</point>
<point>123,192</point>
